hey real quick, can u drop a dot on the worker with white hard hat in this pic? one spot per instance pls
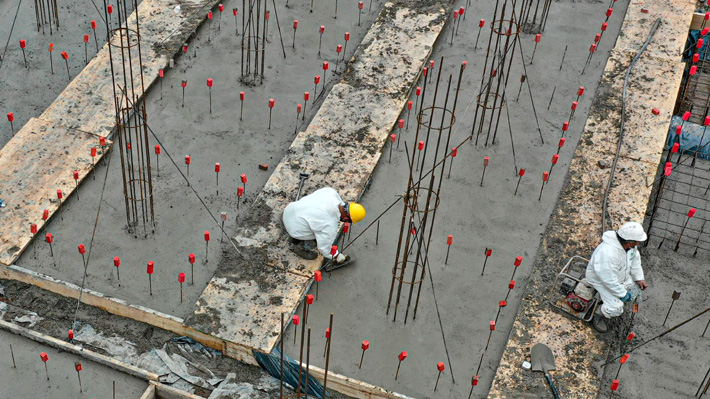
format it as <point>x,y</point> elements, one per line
<point>316,217</point>
<point>615,271</point>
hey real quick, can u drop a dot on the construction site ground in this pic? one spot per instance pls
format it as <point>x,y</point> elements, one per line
<point>478,217</point>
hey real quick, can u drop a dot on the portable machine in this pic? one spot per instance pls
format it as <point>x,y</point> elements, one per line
<point>571,293</point>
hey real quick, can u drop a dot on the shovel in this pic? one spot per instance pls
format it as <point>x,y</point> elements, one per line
<point>543,360</point>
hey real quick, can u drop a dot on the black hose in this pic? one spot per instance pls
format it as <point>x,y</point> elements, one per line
<point>623,117</point>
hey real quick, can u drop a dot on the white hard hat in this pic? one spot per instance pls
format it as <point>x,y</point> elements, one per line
<point>632,231</point>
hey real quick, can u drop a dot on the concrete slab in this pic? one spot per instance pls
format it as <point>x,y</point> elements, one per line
<point>344,128</point>
<point>39,161</point>
<point>63,381</point>
<point>576,225</point>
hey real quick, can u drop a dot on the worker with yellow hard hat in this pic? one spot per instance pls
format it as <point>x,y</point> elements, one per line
<point>313,222</point>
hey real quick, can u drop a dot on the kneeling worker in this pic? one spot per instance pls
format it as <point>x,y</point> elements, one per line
<point>316,217</point>
<point>614,270</point>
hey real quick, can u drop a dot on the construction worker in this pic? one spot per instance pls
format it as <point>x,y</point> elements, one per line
<point>614,270</point>
<point>312,222</point>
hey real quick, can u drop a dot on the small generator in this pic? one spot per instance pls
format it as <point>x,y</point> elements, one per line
<point>571,293</point>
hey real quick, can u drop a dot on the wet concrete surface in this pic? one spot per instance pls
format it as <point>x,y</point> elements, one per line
<point>477,217</point>
<point>29,379</point>
<point>220,137</point>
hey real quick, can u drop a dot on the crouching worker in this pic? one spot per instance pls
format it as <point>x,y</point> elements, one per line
<point>312,222</point>
<point>615,271</point>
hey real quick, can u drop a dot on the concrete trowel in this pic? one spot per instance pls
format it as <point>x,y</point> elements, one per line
<point>543,360</point>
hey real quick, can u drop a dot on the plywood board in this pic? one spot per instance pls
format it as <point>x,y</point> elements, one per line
<point>37,162</point>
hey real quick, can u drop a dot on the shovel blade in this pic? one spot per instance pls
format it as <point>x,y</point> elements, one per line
<point>542,358</point>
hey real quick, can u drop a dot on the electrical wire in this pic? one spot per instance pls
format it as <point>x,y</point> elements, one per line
<point>623,117</point>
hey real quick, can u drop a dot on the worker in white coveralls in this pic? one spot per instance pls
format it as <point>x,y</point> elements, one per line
<point>614,270</point>
<point>316,217</point>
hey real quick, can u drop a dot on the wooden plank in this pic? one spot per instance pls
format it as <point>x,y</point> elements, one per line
<point>149,392</point>
<point>340,149</point>
<point>167,392</point>
<point>697,22</point>
<point>79,351</point>
<point>124,309</point>
<point>37,162</point>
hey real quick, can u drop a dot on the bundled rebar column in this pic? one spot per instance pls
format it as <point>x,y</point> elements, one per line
<point>491,99</point>
<point>534,15</point>
<point>131,120</point>
<point>47,14</point>
<point>253,43</point>
<point>434,126</point>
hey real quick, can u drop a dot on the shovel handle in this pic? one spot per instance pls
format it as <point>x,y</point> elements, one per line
<point>552,385</point>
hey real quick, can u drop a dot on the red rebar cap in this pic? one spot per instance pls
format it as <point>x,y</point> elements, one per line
<point>82,249</point>
<point>221,8</point>
<point>272,102</point>
<point>561,143</point>
<point>461,10</point>
<point>631,336</point>
<point>151,266</point>
<point>511,284</point>
<point>418,91</point>
<point>545,176</point>
<point>318,275</point>
<point>157,149</point>
<point>44,356</point>
<point>518,261</point>
<point>691,212</point>
<point>70,334</point>
<point>365,345</point>
<point>454,152</point>
<point>184,84</point>
<point>77,365</point>
<point>580,91</point>
<point>188,159</point>
<point>60,194</point>
<point>624,358</point>
<point>489,251</point>
<point>244,179</point>
<point>241,95</point>
<point>409,105</point>
<point>421,145</point>
<point>76,175</point>
<point>609,12</point>
<point>493,325</point>
<point>693,70</point>
<point>686,115</point>
<point>295,24</point>
<point>209,82</point>
<point>217,167</point>
<point>502,304</point>
<point>209,15</point>
<point>574,105</point>
<point>676,147</point>
<point>521,172</point>
<point>393,137</point>
<point>45,214</point>
<point>440,366</point>
<point>678,130</point>
<point>299,108</point>
<point>537,38</point>
<point>22,43</point>
<point>10,116</point>
<point>604,26</point>
<point>322,29</point>
<point>93,24</point>
<point>565,126</point>
<point>325,65</point>
<point>481,23</point>
<point>400,123</point>
<point>346,227</point>
<point>49,238</point>
<point>181,278</point>
<point>707,120</point>
<point>656,111</point>
<point>615,385</point>
<point>116,261</point>
<point>240,191</point>
<point>403,355</point>
<point>207,235</point>
<point>191,258</point>
<point>33,228</point>
<point>327,332</point>
<point>234,11</point>
<point>474,380</point>
<point>334,250</point>
<point>65,55</point>
<point>485,161</point>
<point>316,79</point>
<point>449,239</point>
<point>555,158</point>
<point>309,299</point>
<point>93,151</point>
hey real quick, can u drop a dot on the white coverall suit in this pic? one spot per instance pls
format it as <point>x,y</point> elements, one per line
<point>315,217</point>
<point>613,272</point>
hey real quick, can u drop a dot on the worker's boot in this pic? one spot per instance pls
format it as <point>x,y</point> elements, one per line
<point>304,249</point>
<point>600,323</point>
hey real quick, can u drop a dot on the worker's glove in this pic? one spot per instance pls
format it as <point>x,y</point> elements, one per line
<point>341,258</point>
<point>627,297</point>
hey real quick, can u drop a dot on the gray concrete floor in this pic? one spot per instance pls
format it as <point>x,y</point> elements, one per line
<point>477,217</point>
<point>218,137</point>
<point>29,379</point>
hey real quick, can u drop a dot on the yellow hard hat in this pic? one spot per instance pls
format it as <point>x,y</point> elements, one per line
<point>356,211</point>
